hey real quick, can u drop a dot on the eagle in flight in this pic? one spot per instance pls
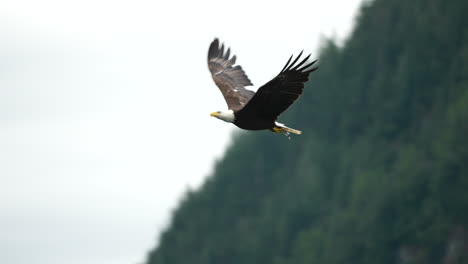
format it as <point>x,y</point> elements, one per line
<point>256,111</point>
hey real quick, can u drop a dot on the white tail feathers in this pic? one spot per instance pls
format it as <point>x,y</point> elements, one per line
<point>291,130</point>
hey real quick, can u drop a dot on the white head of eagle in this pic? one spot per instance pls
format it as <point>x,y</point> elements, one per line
<point>227,116</point>
<point>256,111</point>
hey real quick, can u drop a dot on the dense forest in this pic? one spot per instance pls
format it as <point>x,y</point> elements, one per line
<point>380,174</point>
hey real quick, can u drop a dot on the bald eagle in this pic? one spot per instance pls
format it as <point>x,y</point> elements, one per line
<point>256,111</point>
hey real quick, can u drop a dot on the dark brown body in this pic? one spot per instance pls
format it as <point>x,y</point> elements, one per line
<point>252,122</point>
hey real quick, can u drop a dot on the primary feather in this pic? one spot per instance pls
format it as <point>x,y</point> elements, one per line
<point>277,95</point>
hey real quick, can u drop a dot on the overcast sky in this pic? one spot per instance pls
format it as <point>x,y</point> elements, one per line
<point>104,113</point>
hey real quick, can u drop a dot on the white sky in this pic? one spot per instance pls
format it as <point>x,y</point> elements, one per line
<point>104,113</point>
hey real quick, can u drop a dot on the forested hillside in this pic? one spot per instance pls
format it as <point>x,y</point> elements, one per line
<point>380,174</point>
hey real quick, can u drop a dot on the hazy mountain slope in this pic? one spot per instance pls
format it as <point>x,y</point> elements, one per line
<point>380,174</point>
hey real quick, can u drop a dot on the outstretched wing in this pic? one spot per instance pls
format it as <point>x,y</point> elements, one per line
<point>278,94</point>
<point>230,80</point>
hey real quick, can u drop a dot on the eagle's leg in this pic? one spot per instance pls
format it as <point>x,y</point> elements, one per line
<point>277,130</point>
<point>281,130</point>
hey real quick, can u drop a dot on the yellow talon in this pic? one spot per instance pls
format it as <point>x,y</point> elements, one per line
<point>277,130</point>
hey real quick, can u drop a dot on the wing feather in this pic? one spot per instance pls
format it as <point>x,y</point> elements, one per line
<point>231,80</point>
<point>277,95</point>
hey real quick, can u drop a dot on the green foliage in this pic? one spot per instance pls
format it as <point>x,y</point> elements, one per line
<point>380,174</point>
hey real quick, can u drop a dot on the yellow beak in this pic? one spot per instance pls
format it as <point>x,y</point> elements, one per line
<point>214,114</point>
